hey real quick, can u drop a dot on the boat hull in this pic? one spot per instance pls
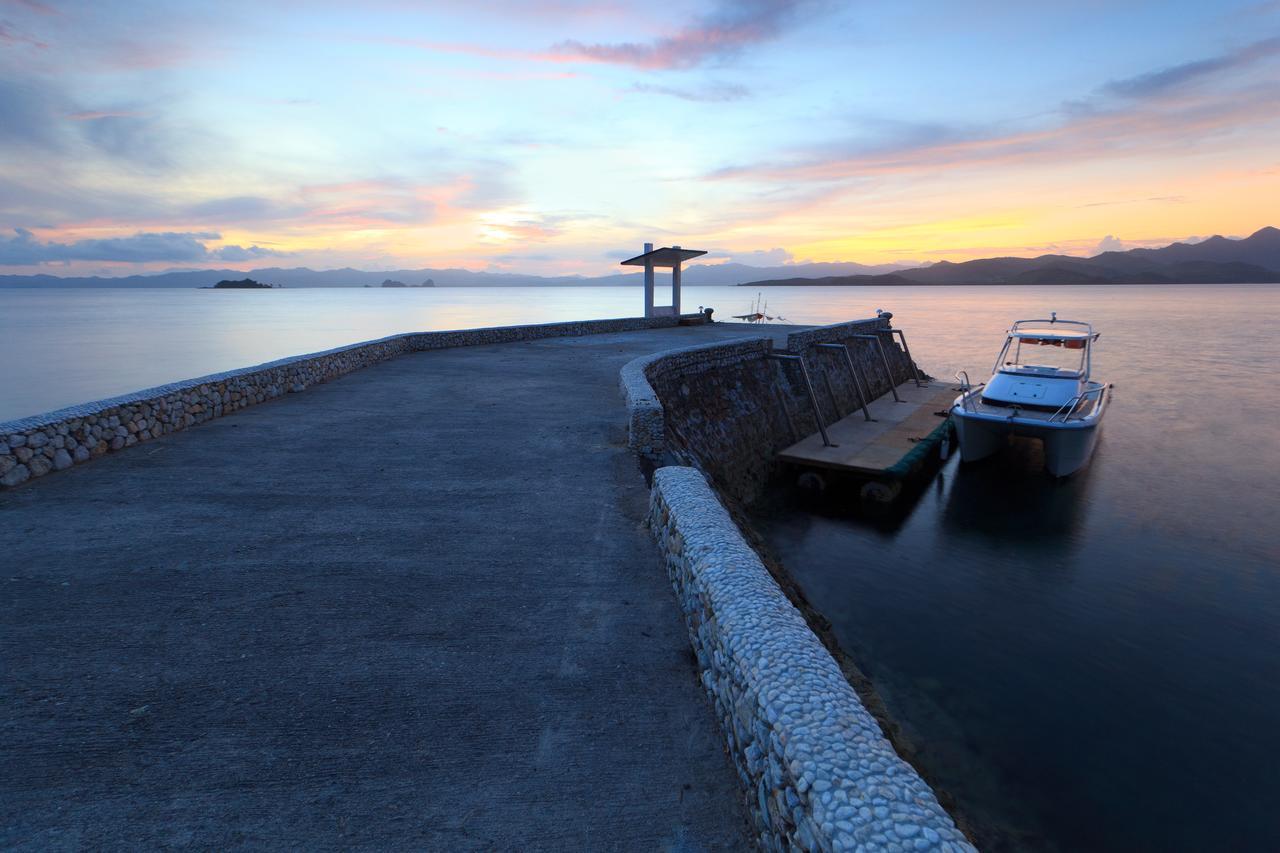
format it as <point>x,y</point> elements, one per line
<point>1067,446</point>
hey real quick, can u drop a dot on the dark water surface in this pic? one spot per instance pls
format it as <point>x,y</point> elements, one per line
<point>1089,664</point>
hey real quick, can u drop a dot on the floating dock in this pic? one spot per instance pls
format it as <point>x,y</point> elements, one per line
<point>893,446</point>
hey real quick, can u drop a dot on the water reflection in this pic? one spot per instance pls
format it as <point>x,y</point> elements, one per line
<point>1010,500</point>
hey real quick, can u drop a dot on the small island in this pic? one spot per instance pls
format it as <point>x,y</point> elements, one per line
<point>242,284</point>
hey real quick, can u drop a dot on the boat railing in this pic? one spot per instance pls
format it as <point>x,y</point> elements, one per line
<point>967,390</point>
<point>1067,408</point>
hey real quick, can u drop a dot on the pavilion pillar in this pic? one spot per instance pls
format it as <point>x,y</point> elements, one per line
<point>675,284</point>
<point>648,282</point>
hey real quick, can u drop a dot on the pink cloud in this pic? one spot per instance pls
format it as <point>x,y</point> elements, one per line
<point>35,6</point>
<point>733,26</point>
<point>12,37</point>
<point>92,115</point>
<point>129,55</point>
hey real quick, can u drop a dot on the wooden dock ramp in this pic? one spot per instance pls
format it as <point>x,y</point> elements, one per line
<point>892,446</point>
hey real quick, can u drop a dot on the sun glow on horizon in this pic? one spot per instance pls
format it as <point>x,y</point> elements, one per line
<point>401,137</point>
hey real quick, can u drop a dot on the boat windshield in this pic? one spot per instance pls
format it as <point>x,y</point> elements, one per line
<point>1047,355</point>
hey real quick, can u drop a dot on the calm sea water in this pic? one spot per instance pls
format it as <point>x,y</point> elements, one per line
<point>1086,664</point>
<point>1091,664</point>
<point>59,348</point>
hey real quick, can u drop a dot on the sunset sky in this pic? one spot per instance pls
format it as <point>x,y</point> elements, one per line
<point>553,136</point>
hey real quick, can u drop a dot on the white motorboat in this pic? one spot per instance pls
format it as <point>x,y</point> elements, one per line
<point>1039,388</point>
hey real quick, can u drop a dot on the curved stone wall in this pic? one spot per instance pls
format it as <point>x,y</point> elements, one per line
<point>647,425</point>
<point>35,446</point>
<point>819,773</point>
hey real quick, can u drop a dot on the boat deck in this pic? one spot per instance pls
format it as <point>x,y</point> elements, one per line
<point>880,446</point>
<point>1081,411</point>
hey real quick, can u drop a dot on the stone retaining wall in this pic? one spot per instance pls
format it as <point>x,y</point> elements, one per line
<point>35,446</point>
<point>727,409</point>
<point>647,425</point>
<point>818,772</point>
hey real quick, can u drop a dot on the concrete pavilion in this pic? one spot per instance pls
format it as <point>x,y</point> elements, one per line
<point>670,257</point>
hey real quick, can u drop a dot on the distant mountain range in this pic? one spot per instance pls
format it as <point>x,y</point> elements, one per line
<point>1218,260</point>
<point>698,274</point>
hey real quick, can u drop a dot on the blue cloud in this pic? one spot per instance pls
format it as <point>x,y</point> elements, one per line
<point>715,93</point>
<point>244,253</point>
<point>1176,76</point>
<point>143,247</point>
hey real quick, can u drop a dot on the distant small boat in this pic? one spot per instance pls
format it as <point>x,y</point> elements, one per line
<point>1054,401</point>
<point>758,314</point>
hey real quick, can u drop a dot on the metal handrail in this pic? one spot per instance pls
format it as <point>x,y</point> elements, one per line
<point>902,336</point>
<point>813,398</point>
<point>1070,405</point>
<point>857,380</point>
<point>884,359</point>
<point>967,390</point>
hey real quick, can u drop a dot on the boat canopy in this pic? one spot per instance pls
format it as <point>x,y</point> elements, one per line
<point>1050,334</point>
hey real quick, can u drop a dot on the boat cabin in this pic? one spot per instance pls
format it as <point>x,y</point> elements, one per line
<point>1039,389</point>
<point>1043,364</point>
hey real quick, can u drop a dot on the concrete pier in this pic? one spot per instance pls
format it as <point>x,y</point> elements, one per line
<point>413,607</point>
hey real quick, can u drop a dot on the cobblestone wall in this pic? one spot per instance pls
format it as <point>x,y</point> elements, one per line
<point>35,446</point>
<point>818,772</point>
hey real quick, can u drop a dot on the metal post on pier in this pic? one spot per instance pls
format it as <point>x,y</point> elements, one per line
<point>808,387</point>
<point>863,398</point>
<point>902,336</point>
<point>884,359</point>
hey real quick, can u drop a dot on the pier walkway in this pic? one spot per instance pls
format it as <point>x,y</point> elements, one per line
<point>414,607</point>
